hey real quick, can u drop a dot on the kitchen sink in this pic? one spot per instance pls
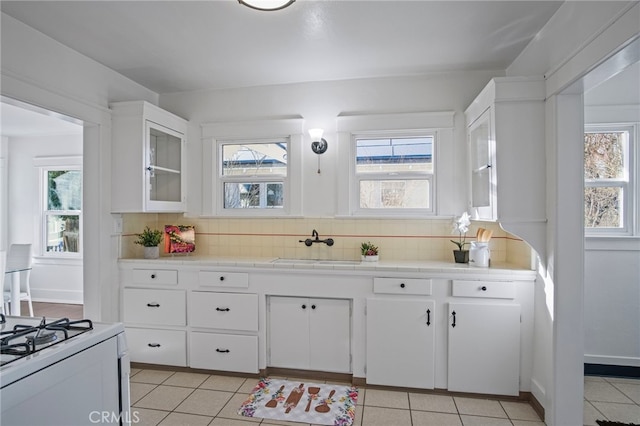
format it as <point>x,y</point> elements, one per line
<point>282,261</point>
<point>295,261</point>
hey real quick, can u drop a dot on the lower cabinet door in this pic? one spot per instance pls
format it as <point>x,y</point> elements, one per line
<point>225,352</point>
<point>484,348</point>
<point>151,346</point>
<point>401,342</point>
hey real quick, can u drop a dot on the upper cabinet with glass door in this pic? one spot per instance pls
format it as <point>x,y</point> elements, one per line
<point>505,130</point>
<point>148,157</point>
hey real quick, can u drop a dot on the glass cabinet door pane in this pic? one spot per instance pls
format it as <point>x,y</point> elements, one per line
<point>165,162</point>
<point>480,164</point>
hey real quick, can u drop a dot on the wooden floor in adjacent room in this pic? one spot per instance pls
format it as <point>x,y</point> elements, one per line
<point>53,310</point>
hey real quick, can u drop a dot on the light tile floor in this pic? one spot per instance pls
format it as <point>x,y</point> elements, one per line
<point>610,398</point>
<point>168,398</point>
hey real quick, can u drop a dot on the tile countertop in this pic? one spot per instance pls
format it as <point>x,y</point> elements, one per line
<point>435,267</point>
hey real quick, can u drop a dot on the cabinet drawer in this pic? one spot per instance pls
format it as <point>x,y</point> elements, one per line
<point>155,276</point>
<point>226,352</point>
<point>167,347</point>
<point>155,307</point>
<point>416,286</point>
<point>231,311</point>
<point>484,289</point>
<point>224,279</point>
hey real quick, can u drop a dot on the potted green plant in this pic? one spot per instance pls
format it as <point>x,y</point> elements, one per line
<point>369,252</point>
<point>150,239</point>
<point>461,226</point>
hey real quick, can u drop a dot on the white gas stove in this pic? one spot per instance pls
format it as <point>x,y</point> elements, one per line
<point>73,371</point>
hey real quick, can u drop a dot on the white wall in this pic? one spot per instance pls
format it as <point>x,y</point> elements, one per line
<point>51,281</point>
<point>4,142</point>
<point>319,104</point>
<point>38,70</point>
<point>612,265</point>
<point>580,36</point>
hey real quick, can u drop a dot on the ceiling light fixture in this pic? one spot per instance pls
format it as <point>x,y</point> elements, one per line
<point>267,5</point>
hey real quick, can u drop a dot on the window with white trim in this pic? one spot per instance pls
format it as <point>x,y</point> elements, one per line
<point>253,173</point>
<point>394,172</point>
<point>608,187</point>
<point>62,211</point>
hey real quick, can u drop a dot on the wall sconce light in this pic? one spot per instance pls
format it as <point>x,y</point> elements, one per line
<point>319,144</point>
<point>267,5</point>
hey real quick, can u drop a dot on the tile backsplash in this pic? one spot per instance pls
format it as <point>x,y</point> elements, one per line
<point>397,239</point>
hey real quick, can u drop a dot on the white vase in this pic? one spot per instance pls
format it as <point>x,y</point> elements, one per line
<point>151,252</point>
<point>369,258</point>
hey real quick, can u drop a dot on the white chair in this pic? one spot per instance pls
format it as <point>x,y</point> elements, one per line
<point>19,259</point>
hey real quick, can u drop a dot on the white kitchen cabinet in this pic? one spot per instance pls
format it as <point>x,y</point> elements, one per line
<point>231,311</point>
<point>224,352</point>
<point>401,342</point>
<point>310,333</point>
<point>157,346</point>
<point>484,348</point>
<point>148,159</point>
<point>506,121</point>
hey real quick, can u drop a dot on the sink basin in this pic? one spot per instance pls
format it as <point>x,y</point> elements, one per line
<point>295,261</point>
<point>338,262</point>
<point>282,261</point>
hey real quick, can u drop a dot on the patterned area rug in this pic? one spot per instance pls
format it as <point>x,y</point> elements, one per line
<point>304,402</point>
<point>608,423</point>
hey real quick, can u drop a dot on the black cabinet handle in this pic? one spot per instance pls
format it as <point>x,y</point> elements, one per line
<point>483,288</point>
<point>453,324</point>
<point>313,306</point>
<point>153,305</point>
<point>221,278</point>
<point>428,316</point>
<point>223,309</point>
<point>223,351</point>
<point>304,306</point>
<point>402,285</point>
<point>153,276</point>
<point>153,345</point>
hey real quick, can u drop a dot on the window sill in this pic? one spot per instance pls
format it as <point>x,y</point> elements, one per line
<point>608,242</point>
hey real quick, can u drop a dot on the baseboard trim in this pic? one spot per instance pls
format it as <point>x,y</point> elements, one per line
<point>607,370</point>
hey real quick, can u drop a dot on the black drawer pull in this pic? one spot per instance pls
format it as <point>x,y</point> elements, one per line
<point>223,351</point>
<point>313,306</point>
<point>402,285</point>
<point>153,345</point>
<point>304,306</point>
<point>153,305</point>
<point>428,316</point>
<point>221,278</point>
<point>223,309</point>
<point>483,288</point>
<point>453,324</point>
<point>153,276</point>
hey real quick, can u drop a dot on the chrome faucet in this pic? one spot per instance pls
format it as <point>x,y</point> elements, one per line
<point>308,242</point>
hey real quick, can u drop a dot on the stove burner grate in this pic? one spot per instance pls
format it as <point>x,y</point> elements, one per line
<point>24,340</point>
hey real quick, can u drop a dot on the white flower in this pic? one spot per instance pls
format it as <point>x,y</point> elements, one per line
<point>461,226</point>
<point>462,223</point>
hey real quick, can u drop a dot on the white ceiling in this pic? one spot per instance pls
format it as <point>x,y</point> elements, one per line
<point>19,120</point>
<point>172,46</point>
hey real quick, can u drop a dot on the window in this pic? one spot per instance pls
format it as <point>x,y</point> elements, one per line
<point>394,172</point>
<point>62,215</point>
<point>253,174</point>
<point>607,194</point>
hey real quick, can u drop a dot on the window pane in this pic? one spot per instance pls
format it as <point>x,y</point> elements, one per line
<point>406,194</point>
<point>604,155</point>
<point>382,155</point>
<point>63,233</point>
<point>64,190</point>
<point>253,195</point>
<point>254,159</point>
<point>602,207</point>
